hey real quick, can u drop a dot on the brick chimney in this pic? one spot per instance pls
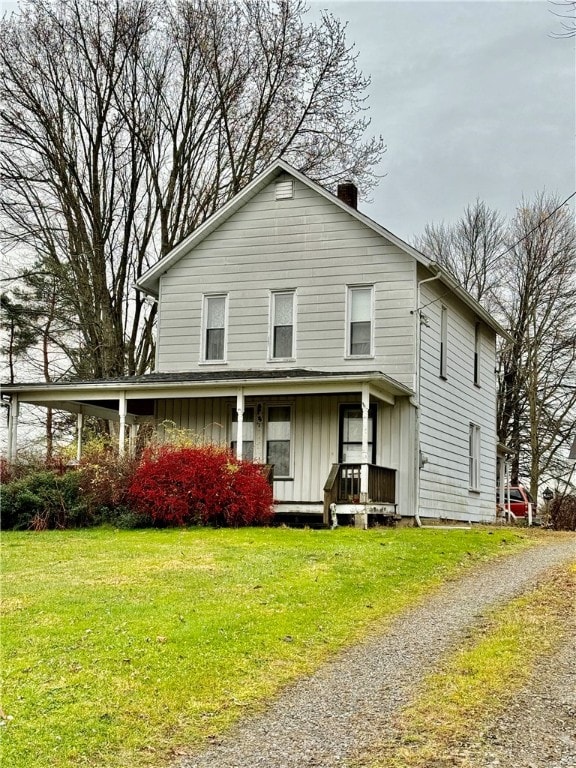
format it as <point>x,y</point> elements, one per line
<point>348,193</point>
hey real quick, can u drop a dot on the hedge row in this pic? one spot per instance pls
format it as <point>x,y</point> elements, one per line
<point>169,485</point>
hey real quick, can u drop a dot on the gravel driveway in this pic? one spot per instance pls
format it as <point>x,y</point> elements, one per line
<point>538,730</point>
<point>346,705</point>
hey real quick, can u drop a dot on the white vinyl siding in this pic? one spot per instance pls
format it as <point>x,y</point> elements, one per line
<point>448,406</point>
<point>360,306</point>
<point>214,328</point>
<point>307,242</point>
<point>313,437</point>
<point>282,335</point>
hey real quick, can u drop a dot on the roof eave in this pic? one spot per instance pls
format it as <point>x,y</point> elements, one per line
<point>469,300</point>
<point>149,282</point>
<point>381,379</point>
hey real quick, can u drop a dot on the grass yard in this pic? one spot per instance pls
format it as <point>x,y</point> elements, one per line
<point>119,648</point>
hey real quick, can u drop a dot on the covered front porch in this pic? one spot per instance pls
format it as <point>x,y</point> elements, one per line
<point>340,443</point>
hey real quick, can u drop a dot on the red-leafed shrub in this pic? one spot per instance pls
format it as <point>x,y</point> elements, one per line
<point>180,485</point>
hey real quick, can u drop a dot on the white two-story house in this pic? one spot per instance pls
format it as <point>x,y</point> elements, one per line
<point>305,336</point>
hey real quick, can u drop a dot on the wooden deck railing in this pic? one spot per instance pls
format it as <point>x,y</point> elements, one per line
<point>343,486</point>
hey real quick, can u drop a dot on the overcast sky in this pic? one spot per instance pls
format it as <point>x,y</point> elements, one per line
<point>473,99</point>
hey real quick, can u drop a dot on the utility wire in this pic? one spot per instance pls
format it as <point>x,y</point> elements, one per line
<point>537,226</point>
<point>433,301</point>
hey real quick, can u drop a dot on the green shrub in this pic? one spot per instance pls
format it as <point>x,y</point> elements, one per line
<point>124,518</point>
<point>44,500</point>
<point>104,479</point>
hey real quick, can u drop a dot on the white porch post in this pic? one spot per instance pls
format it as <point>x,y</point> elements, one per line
<point>132,439</point>
<point>240,424</point>
<point>12,447</point>
<point>502,480</point>
<point>122,429</point>
<point>364,467</point>
<point>79,425</point>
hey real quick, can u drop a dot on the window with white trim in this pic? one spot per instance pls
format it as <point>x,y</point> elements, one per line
<point>360,325</point>
<point>278,440</point>
<point>214,332</point>
<point>477,338</point>
<point>474,457</point>
<point>247,433</point>
<point>443,341</point>
<point>282,325</point>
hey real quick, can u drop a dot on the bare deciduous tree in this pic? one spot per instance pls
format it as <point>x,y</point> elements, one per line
<point>525,273</point>
<point>128,122</point>
<point>537,404</point>
<point>469,249</point>
<point>566,11</point>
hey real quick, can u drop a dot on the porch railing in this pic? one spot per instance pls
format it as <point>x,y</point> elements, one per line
<point>343,486</point>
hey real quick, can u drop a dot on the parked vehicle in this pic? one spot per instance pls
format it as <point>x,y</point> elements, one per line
<point>518,501</point>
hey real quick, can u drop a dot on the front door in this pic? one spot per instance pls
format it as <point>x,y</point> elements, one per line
<point>350,445</point>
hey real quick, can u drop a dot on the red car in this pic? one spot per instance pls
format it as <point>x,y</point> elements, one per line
<point>517,501</point>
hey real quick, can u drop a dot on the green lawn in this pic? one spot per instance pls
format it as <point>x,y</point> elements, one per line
<point>120,647</point>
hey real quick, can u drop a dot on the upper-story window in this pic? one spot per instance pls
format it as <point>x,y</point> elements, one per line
<point>477,338</point>
<point>360,321</point>
<point>214,330</point>
<point>282,325</point>
<point>474,457</point>
<point>443,342</point>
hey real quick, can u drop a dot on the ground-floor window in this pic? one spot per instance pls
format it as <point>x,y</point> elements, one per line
<point>351,434</point>
<point>247,433</point>
<point>278,439</point>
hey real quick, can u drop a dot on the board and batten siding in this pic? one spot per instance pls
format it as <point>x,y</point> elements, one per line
<point>315,426</point>
<point>307,244</point>
<point>449,405</point>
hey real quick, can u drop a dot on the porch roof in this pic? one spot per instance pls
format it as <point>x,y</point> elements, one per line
<point>101,397</point>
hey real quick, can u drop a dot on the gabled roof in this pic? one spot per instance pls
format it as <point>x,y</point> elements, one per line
<point>149,282</point>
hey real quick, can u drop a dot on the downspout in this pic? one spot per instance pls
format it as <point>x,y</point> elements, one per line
<point>417,398</point>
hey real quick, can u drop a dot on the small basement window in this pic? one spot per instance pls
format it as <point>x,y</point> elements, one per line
<point>284,190</point>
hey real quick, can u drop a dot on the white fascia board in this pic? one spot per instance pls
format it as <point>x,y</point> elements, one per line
<point>47,394</point>
<point>72,406</point>
<point>149,281</point>
<point>470,301</point>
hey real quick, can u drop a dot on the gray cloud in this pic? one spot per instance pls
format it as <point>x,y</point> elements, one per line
<point>474,99</point>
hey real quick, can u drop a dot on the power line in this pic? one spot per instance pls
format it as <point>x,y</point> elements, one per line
<point>439,298</point>
<point>537,226</point>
